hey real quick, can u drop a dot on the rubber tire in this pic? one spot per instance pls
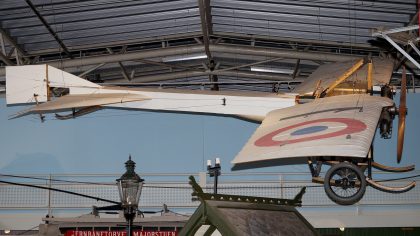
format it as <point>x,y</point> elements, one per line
<point>337,199</point>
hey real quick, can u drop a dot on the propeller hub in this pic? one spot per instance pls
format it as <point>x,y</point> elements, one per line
<point>393,110</point>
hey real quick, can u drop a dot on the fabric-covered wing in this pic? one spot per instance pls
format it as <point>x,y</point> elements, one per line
<point>328,73</point>
<point>79,101</point>
<point>333,126</point>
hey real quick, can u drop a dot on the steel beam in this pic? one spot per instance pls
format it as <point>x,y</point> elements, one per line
<point>123,70</point>
<point>17,57</point>
<point>413,20</point>
<point>155,39</point>
<point>188,74</point>
<point>131,56</point>
<point>186,50</point>
<point>205,22</point>
<point>402,60</point>
<point>414,47</point>
<point>3,48</point>
<point>396,30</point>
<point>254,75</point>
<point>250,64</point>
<point>209,20</point>
<point>284,53</point>
<point>402,51</point>
<point>6,60</point>
<point>285,40</point>
<point>91,69</point>
<point>198,40</point>
<point>295,71</point>
<point>12,41</point>
<point>45,23</point>
<point>157,63</point>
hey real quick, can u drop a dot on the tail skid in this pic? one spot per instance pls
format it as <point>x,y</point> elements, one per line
<point>390,189</point>
<point>392,169</point>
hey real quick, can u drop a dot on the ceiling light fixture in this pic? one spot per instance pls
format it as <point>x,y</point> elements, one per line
<point>184,57</point>
<point>272,70</point>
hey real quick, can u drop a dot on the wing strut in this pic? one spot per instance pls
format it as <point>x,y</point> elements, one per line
<point>344,76</point>
<point>76,113</point>
<point>41,116</point>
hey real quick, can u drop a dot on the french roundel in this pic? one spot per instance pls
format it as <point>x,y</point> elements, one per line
<point>311,130</point>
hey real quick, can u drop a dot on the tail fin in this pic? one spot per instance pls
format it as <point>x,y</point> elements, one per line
<point>31,83</point>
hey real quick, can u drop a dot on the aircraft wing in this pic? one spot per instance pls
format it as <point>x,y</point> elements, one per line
<point>333,126</point>
<point>328,73</point>
<point>80,101</point>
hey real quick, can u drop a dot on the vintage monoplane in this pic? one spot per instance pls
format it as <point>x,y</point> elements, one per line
<point>331,118</point>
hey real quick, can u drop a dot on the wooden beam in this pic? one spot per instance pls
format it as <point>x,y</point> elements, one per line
<point>346,75</point>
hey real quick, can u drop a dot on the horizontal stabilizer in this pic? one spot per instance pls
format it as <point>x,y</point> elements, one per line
<point>81,100</point>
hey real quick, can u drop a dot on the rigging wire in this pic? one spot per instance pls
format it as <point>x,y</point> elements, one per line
<point>402,178</point>
<point>60,190</point>
<point>188,187</point>
<point>54,180</point>
<point>28,230</point>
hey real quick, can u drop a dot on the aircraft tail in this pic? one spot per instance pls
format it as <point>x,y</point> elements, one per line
<point>33,83</point>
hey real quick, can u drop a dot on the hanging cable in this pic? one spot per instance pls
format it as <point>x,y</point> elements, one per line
<point>54,180</point>
<point>61,191</point>
<point>187,187</point>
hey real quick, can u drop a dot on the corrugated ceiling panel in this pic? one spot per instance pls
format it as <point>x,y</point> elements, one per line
<point>117,37</point>
<point>288,17</point>
<point>90,22</point>
<point>338,21</point>
<point>111,22</point>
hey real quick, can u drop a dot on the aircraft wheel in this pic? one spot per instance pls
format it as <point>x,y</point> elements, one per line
<point>345,183</point>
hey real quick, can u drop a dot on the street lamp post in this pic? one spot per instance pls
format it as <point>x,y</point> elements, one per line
<point>214,172</point>
<point>129,187</point>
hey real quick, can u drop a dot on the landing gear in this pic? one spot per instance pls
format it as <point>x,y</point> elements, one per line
<point>345,183</point>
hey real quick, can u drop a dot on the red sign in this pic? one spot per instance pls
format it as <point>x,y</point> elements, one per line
<point>119,233</point>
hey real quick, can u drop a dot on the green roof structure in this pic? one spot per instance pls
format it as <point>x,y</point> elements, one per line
<point>235,215</point>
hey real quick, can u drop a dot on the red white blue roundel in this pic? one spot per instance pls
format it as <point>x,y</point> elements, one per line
<point>311,130</point>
